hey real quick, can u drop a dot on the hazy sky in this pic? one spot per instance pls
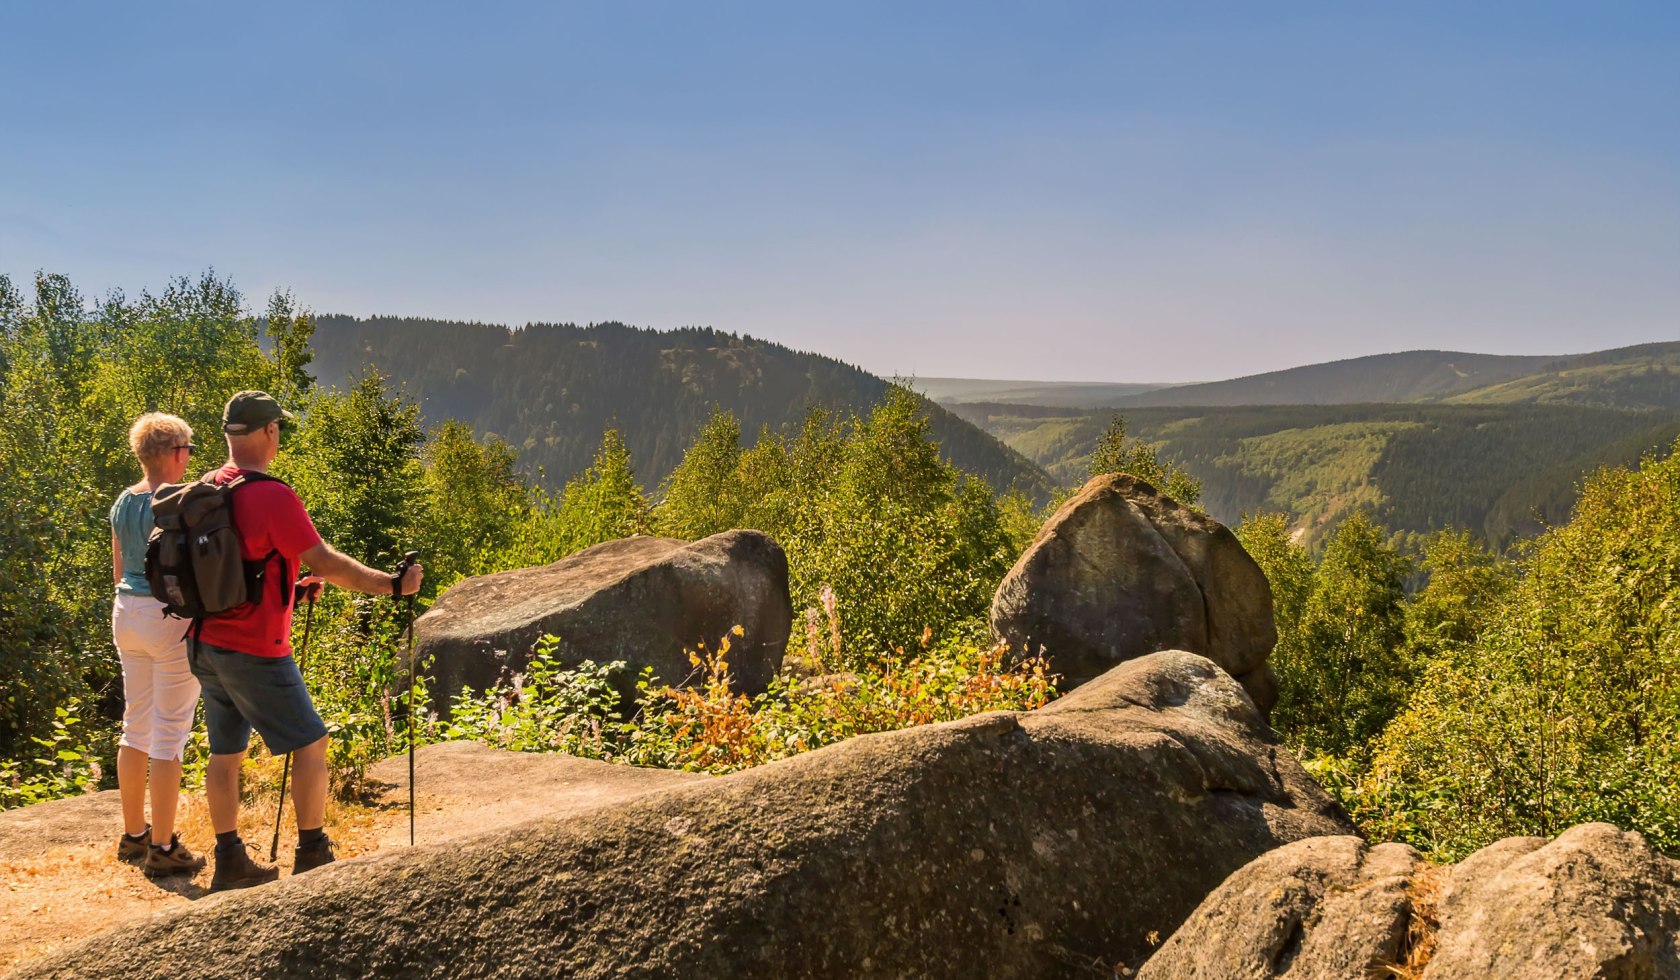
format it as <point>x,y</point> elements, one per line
<point>1122,191</point>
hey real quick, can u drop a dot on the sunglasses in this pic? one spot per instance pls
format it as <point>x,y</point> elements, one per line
<point>189,447</point>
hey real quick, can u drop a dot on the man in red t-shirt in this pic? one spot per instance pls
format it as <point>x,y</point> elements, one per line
<point>243,657</point>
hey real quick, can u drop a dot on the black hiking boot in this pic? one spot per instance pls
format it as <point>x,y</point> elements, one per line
<point>312,856</point>
<point>235,869</point>
<point>177,859</point>
<point>134,848</point>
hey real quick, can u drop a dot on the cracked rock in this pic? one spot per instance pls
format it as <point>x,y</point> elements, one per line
<point>1595,902</point>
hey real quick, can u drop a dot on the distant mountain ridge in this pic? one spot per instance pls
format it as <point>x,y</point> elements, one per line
<point>1068,394</point>
<point>550,390</point>
<point>1423,375</point>
<point>1640,376</point>
<point>1420,439</point>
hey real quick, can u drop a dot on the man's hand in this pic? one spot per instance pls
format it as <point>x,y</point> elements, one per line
<point>411,579</point>
<point>308,589</point>
<point>348,573</point>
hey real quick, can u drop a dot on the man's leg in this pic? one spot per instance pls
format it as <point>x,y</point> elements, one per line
<point>221,787</point>
<point>281,711</point>
<point>230,734</point>
<point>309,784</point>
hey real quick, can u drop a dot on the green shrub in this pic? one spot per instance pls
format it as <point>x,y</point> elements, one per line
<point>547,708</point>
<point>710,727</point>
<point>62,763</point>
<point>1565,708</point>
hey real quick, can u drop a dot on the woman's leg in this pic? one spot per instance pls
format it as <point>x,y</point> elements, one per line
<point>174,696</point>
<point>166,796</point>
<point>136,741</point>
<point>131,786</point>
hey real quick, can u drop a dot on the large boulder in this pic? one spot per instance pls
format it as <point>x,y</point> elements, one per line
<point>1326,907</point>
<point>1595,902</point>
<point>643,600</point>
<point>1033,844</point>
<point>1121,571</point>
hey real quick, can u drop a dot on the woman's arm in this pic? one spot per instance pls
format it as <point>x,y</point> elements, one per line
<point>116,560</point>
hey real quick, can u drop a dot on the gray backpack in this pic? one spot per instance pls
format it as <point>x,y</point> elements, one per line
<point>193,559</point>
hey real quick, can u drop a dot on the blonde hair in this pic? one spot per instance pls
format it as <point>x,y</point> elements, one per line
<point>156,434</point>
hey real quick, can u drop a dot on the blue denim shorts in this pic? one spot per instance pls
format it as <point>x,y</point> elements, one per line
<point>242,692</point>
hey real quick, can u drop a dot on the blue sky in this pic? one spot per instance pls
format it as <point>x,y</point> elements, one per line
<point>1116,191</point>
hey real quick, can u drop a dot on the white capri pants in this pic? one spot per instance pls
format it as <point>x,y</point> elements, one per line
<point>159,688</point>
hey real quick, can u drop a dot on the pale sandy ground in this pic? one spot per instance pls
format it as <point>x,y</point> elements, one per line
<point>60,880</point>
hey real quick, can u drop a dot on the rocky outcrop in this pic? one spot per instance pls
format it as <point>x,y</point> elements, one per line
<point>1121,571</point>
<point>1034,844</point>
<point>642,600</point>
<point>1328,907</point>
<point>1595,902</point>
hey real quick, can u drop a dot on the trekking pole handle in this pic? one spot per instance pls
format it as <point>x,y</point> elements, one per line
<point>409,560</point>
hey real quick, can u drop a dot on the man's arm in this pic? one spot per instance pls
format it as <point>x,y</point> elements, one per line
<point>348,573</point>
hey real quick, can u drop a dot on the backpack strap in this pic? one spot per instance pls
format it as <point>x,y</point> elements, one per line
<point>253,477</point>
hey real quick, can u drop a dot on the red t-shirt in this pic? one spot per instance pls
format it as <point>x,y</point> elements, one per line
<point>270,517</point>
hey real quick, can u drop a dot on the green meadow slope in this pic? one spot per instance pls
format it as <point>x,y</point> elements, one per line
<point>1069,394</point>
<point>1502,470</point>
<point>1647,376</point>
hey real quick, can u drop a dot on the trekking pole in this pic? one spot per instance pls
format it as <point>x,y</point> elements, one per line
<point>286,767</point>
<point>409,558</point>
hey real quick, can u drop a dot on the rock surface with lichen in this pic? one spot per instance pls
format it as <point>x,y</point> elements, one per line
<point>1010,844</point>
<point>1594,902</point>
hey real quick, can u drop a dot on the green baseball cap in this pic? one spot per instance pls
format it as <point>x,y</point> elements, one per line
<point>251,410</point>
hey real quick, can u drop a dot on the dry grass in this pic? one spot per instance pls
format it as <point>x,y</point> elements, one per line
<point>64,894</point>
<point>1419,945</point>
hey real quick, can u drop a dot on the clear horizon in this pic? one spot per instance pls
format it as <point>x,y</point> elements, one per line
<point>1081,192</point>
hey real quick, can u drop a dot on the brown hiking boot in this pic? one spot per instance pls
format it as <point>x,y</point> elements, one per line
<point>312,857</point>
<point>235,869</point>
<point>133,848</point>
<point>178,859</point>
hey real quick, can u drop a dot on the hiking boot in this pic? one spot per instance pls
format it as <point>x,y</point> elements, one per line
<point>308,858</point>
<point>134,848</point>
<point>178,859</point>
<point>235,869</point>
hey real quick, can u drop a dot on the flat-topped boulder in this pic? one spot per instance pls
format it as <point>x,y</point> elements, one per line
<point>1120,571</point>
<point>1009,844</point>
<point>646,601</point>
<point>1595,902</point>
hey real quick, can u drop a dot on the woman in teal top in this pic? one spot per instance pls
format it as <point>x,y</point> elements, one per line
<point>159,690</point>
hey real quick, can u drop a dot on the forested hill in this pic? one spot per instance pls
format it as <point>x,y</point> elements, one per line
<point>550,390</point>
<point>1642,376</point>
<point>1421,375</point>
